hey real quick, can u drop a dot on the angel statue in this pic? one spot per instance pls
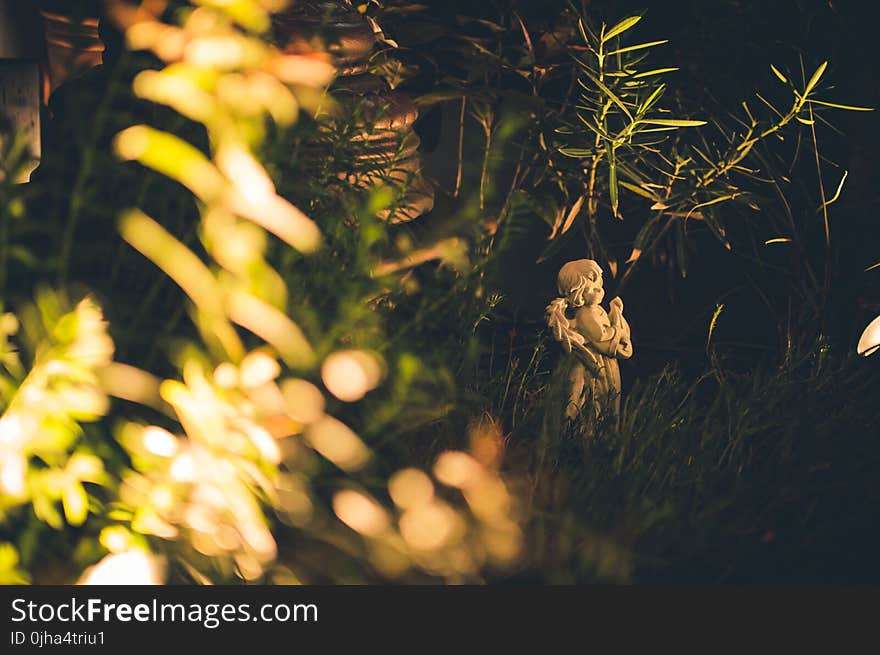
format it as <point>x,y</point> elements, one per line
<point>596,337</point>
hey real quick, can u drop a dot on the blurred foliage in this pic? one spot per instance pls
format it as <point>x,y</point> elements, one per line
<point>237,450</point>
<point>357,401</point>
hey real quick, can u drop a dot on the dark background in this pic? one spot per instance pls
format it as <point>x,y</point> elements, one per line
<point>724,50</point>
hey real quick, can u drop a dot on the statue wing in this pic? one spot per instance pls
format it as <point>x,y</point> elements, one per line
<point>563,332</point>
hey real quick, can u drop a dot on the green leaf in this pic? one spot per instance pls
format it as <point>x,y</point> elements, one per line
<point>839,189</point>
<point>815,79</point>
<point>651,99</point>
<point>640,46</point>
<point>767,102</point>
<point>839,106</point>
<point>594,128</point>
<point>715,201</point>
<point>637,190</point>
<point>712,324</point>
<point>45,510</point>
<point>782,78</point>
<point>612,178</point>
<point>716,229</point>
<point>583,31</point>
<point>672,122</point>
<point>617,101</point>
<point>657,129</point>
<point>76,503</point>
<point>621,27</point>
<point>577,153</point>
<point>656,71</point>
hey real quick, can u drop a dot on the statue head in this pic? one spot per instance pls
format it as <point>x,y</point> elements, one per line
<point>580,283</point>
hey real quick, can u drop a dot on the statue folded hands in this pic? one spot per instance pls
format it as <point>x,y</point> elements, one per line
<point>596,338</point>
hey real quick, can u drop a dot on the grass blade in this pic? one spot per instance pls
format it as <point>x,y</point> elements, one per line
<point>672,122</point>
<point>839,106</point>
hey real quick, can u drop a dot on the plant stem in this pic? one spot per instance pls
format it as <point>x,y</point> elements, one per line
<point>460,146</point>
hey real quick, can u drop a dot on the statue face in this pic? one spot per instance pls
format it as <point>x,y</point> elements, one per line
<point>596,295</point>
<point>588,290</point>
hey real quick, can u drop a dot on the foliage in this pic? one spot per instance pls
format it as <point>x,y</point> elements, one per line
<point>236,441</point>
<point>738,479</point>
<point>354,401</point>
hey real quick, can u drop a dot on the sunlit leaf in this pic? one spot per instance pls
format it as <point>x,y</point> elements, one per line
<point>273,326</point>
<point>612,178</point>
<point>640,46</point>
<point>608,92</point>
<point>815,78</point>
<point>672,122</point>
<point>839,106</point>
<point>621,27</point>
<point>636,189</point>
<point>171,156</point>
<point>651,99</point>
<point>713,323</point>
<point>186,269</point>
<point>782,78</point>
<point>577,153</point>
<point>573,213</point>
<point>583,30</point>
<point>656,71</point>
<point>76,503</point>
<point>839,189</point>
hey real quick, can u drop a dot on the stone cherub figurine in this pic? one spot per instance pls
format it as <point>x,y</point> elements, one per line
<point>597,338</point>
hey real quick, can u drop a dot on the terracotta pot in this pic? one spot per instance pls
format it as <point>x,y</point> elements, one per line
<point>388,145</point>
<point>72,41</point>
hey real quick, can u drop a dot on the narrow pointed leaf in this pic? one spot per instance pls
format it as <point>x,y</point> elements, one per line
<point>608,92</point>
<point>637,190</point>
<point>651,99</point>
<point>815,79</point>
<point>839,106</point>
<point>672,122</point>
<point>640,46</point>
<point>573,213</point>
<point>656,71</point>
<point>621,27</point>
<point>839,188</point>
<point>612,179</point>
<point>782,78</point>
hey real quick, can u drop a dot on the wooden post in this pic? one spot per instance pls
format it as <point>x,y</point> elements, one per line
<point>20,53</point>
